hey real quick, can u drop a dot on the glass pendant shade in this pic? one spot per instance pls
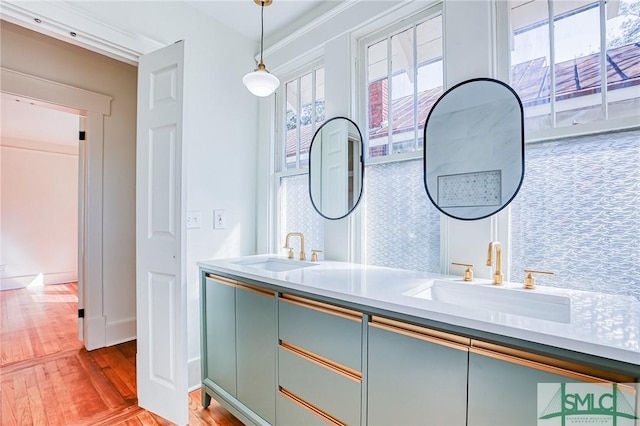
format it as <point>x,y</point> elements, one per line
<point>260,82</point>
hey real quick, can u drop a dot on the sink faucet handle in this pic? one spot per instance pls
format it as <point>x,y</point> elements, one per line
<point>530,281</point>
<point>468,273</point>
<point>290,254</point>
<point>314,255</point>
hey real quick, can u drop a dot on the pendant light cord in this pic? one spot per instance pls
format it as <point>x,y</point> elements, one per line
<point>261,29</point>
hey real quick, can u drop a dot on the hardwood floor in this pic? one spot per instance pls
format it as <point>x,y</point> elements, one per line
<point>48,378</point>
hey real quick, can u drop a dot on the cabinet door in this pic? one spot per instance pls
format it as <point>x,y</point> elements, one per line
<point>220,323</point>
<point>414,379</point>
<point>503,390</point>
<point>257,340</point>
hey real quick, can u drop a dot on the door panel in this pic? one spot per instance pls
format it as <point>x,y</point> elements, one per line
<point>161,285</point>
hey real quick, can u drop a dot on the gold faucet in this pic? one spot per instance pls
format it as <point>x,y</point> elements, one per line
<point>287,246</point>
<point>498,278</point>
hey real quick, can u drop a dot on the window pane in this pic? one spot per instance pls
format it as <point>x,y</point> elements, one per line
<point>320,114</point>
<point>623,59</point>
<point>291,142</point>
<point>577,62</point>
<point>530,59</point>
<point>307,126</point>
<point>402,226</point>
<point>298,215</point>
<point>402,98</point>
<point>378,85</point>
<point>430,70</point>
<point>577,213</point>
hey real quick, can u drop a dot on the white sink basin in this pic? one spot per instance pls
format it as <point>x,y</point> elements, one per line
<point>515,301</point>
<point>274,264</point>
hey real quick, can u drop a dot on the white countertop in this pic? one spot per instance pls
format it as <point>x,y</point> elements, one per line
<point>603,325</point>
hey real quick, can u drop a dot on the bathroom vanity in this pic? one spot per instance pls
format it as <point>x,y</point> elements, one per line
<point>287,342</point>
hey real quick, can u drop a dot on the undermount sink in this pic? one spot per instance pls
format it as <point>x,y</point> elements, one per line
<point>274,264</point>
<point>514,301</point>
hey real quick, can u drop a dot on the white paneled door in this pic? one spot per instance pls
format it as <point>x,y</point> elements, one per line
<point>160,237</point>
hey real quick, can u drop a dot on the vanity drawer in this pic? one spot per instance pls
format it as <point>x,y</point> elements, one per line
<point>291,412</point>
<point>333,391</point>
<point>323,329</point>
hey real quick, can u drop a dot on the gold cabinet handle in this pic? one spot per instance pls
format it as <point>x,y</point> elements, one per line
<point>530,281</point>
<point>468,273</point>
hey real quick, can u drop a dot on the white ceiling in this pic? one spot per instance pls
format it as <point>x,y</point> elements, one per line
<point>25,119</point>
<point>244,15</point>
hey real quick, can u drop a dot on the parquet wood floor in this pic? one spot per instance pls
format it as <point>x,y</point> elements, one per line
<point>48,378</point>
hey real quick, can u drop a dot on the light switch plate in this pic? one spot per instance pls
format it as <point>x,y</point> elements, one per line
<point>194,218</point>
<point>220,219</point>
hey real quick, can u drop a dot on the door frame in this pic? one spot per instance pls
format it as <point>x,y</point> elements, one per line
<point>92,107</point>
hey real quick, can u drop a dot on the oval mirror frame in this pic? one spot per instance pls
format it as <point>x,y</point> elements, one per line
<point>336,168</point>
<point>473,157</point>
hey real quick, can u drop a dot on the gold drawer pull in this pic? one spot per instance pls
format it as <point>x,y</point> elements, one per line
<point>333,366</point>
<point>308,406</point>
<point>222,280</point>
<point>323,307</point>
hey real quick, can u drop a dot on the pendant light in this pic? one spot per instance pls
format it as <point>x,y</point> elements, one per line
<point>260,82</point>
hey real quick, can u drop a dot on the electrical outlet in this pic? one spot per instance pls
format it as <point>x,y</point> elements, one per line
<point>3,268</point>
<point>194,218</point>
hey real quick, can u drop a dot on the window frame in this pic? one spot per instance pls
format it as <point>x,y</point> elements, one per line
<point>375,36</point>
<point>278,155</point>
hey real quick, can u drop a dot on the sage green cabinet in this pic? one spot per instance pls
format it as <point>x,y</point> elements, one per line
<point>239,347</point>
<point>414,378</point>
<point>220,328</point>
<point>256,342</point>
<point>503,389</point>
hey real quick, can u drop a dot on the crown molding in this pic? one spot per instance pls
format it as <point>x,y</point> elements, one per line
<point>322,19</point>
<point>59,19</point>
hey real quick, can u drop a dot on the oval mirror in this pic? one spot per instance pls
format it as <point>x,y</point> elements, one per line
<point>336,169</point>
<point>474,149</point>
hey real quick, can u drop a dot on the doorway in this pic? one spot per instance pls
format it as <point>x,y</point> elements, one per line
<point>93,107</point>
<point>39,196</point>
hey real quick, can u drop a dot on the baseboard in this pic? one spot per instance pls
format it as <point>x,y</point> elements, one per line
<point>120,331</point>
<point>194,374</point>
<point>12,283</point>
<point>94,333</point>
<point>60,277</point>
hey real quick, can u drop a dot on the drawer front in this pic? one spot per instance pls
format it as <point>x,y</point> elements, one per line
<point>290,413</point>
<point>337,337</point>
<point>331,392</point>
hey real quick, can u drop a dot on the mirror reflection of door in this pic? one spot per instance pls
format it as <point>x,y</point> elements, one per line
<point>335,164</point>
<point>335,169</point>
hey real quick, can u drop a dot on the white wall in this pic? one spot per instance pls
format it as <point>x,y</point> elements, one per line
<point>220,135</point>
<point>39,213</point>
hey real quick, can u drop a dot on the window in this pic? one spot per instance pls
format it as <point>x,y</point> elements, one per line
<point>303,112</point>
<point>304,99</point>
<point>583,68</point>
<point>577,211</point>
<point>402,79</point>
<point>578,215</point>
<point>404,75</point>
